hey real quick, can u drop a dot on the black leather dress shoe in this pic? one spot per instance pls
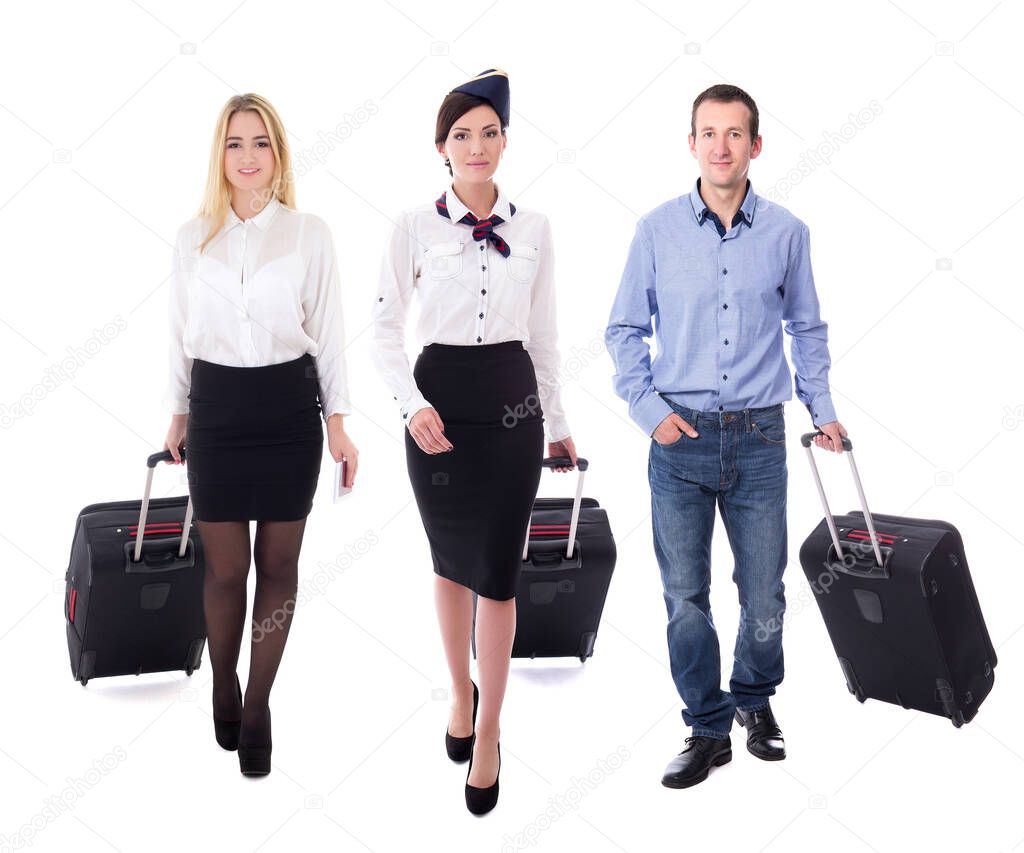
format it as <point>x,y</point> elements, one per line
<point>697,758</point>
<point>764,737</point>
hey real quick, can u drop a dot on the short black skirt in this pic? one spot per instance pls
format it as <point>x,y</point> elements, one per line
<point>254,440</point>
<point>476,499</point>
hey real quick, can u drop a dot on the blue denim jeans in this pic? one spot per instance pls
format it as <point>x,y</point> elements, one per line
<point>738,461</point>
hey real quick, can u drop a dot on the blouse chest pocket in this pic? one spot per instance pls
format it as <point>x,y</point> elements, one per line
<point>522,262</point>
<point>443,260</point>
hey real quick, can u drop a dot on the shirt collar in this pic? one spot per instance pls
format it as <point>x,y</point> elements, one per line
<point>701,210</point>
<point>261,220</point>
<point>456,209</point>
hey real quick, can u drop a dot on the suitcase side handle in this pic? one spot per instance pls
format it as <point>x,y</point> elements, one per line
<point>806,440</point>
<point>151,463</point>
<point>564,462</point>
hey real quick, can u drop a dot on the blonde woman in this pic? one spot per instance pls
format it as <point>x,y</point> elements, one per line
<point>256,357</point>
<point>482,395</point>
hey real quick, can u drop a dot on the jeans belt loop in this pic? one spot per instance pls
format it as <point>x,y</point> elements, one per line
<point>746,416</point>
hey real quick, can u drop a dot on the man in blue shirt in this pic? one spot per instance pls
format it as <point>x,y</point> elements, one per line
<point>712,401</point>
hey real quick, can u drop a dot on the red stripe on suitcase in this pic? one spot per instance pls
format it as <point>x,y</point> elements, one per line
<point>71,606</point>
<point>884,538</point>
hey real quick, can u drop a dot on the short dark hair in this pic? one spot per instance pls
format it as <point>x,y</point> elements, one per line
<point>453,107</point>
<point>726,94</point>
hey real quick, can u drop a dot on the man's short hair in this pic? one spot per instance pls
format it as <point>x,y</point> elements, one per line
<point>726,94</point>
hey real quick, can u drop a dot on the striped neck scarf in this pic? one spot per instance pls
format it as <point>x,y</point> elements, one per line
<point>482,228</point>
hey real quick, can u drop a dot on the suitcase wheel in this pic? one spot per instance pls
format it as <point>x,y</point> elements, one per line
<point>189,671</point>
<point>958,719</point>
<point>84,681</point>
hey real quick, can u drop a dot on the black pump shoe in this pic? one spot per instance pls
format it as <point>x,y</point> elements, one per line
<point>254,759</point>
<point>764,737</point>
<point>227,731</point>
<point>461,748</point>
<point>482,800</point>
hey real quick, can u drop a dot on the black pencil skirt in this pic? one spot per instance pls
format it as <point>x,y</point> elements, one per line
<point>476,499</point>
<point>254,440</point>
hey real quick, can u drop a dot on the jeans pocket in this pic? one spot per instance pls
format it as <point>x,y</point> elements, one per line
<point>770,430</point>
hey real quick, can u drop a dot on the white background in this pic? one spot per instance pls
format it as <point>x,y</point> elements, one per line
<point>106,121</point>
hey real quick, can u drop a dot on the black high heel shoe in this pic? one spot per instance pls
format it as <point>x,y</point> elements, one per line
<point>482,800</point>
<point>254,759</point>
<point>227,731</point>
<point>461,748</point>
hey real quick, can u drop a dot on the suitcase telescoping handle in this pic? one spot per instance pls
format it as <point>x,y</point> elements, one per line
<point>806,439</point>
<point>565,462</point>
<point>151,464</point>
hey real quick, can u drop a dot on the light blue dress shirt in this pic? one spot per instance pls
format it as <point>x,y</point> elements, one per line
<point>718,300</point>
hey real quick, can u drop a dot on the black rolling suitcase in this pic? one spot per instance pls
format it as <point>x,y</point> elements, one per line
<point>134,594</point>
<point>900,607</point>
<point>568,559</point>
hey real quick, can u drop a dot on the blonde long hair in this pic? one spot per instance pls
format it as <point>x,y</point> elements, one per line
<point>217,197</point>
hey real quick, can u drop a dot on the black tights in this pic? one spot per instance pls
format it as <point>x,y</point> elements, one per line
<point>227,551</point>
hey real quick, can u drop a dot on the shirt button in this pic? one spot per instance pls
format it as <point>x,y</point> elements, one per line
<point>483,268</point>
<point>483,290</point>
<point>725,376</point>
<point>725,306</point>
<point>481,247</point>
<point>380,298</point>
<point>720,408</point>
<point>481,315</point>
<point>479,339</point>
<point>727,342</point>
<point>725,272</point>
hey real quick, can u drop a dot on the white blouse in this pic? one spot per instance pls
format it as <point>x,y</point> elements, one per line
<point>469,294</point>
<point>265,291</point>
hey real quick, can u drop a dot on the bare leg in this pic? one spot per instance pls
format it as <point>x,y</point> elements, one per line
<point>226,550</point>
<point>495,632</point>
<point>277,563</point>
<point>454,604</point>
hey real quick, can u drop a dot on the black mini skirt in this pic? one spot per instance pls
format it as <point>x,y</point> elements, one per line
<point>254,440</point>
